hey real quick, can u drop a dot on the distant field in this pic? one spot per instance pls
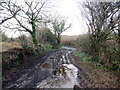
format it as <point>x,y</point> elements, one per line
<point>65,38</point>
<point>5,46</point>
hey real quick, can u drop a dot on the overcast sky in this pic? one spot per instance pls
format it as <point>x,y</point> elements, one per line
<point>69,9</point>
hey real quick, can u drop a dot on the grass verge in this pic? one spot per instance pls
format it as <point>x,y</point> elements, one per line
<point>100,75</point>
<point>88,59</point>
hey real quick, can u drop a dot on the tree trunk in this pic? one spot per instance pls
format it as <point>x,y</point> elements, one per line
<point>35,42</point>
<point>58,39</point>
<point>119,35</point>
<point>36,48</point>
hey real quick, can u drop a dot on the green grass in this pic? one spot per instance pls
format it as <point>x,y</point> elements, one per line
<point>88,59</point>
<point>101,67</point>
<point>47,48</point>
<point>82,56</point>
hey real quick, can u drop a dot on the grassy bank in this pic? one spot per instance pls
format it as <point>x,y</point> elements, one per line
<point>100,76</point>
<point>88,60</point>
<point>15,58</point>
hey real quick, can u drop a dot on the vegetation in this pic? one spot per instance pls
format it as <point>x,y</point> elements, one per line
<point>102,41</point>
<point>59,26</point>
<point>3,37</point>
<point>23,41</point>
<point>69,41</point>
<point>30,16</point>
<point>15,57</point>
<point>32,20</point>
<point>45,36</point>
<point>8,45</point>
<point>100,46</point>
<point>88,59</point>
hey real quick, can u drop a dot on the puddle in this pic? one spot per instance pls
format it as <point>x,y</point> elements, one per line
<point>46,65</point>
<point>65,76</point>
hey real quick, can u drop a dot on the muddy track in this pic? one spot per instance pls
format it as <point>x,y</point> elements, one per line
<point>44,72</point>
<point>25,73</point>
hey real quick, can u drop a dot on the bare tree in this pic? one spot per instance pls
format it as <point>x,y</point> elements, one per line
<point>2,17</point>
<point>59,26</point>
<point>26,16</point>
<point>103,23</point>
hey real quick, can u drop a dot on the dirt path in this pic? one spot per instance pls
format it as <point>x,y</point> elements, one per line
<point>27,77</point>
<point>44,69</point>
<point>54,70</point>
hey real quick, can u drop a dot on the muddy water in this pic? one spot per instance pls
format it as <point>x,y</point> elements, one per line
<point>54,70</point>
<point>64,74</point>
<point>69,48</point>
